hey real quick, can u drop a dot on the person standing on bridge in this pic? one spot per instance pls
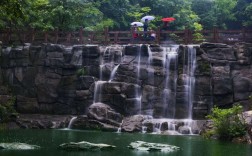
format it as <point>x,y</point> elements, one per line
<point>145,27</point>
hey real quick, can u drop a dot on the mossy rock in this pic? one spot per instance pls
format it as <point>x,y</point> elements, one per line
<point>17,146</point>
<point>85,146</point>
<point>146,146</point>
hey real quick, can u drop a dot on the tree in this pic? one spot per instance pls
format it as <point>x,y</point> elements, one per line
<point>12,12</point>
<point>203,8</point>
<point>223,10</point>
<point>116,10</point>
<point>248,16</point>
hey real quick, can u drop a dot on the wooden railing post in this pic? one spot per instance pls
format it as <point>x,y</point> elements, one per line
<point>32,35</point>
<point>46,37</point>
<point>158,35</point>
<point>131,34</point>
<point>116,37</point>
<point>81,35</point>
<point>190,36</point>
<point>186,36</point>
<point>68,37</point>
<point>106,35</point>
<point>215,35</point>
<point>56,36</point>
<point>243,34</point>
<point>8,35</point>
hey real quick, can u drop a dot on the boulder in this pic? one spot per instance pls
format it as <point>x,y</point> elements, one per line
<point>104,113</point>
<point>83,122</point>
<point>133,123</point>
<point>17,146</point>
<point>146,146</point>
<point>184,130</point>
<point>85,146</point>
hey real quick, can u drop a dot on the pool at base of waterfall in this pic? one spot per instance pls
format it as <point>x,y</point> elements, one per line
<point>49,141</point>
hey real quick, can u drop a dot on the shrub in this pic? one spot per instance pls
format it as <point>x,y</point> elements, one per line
<point>7,110</point>
<point>228,123</point>
<point>175,38</point>
<point>81,72</point>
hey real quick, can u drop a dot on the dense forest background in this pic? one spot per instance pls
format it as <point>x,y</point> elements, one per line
<point>118,14</point>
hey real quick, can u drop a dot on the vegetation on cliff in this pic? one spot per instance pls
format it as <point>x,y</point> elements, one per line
<point>227,123</point>
<point>7,109</point>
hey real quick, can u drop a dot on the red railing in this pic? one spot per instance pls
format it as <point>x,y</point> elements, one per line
<point>9,36</point>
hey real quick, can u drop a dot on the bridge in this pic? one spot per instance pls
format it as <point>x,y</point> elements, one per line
<point>105,37</point>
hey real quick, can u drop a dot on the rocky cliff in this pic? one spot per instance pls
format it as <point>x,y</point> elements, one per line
<point>56,79</point>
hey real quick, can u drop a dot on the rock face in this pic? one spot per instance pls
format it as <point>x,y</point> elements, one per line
<point>86,146</point>
<point>131,79</point>
<point>38,121</point>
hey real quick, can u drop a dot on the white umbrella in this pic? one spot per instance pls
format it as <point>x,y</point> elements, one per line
<point>139,24</point>
<point>149,18</point>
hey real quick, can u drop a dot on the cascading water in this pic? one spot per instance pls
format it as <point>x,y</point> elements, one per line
<point>71,122</point>
<point>168,96</point>
<point>112,75</point>
<point>189,69</point>
<point>170,65</point>
<point>138,95</point>
<point>170,55</point>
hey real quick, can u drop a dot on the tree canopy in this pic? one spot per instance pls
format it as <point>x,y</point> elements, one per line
<point>118,14</point>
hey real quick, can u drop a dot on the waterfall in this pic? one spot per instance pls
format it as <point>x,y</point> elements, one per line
<point>151,81</point>
<point>119,128</point>
<point>138,96</point>
<point>170,56</point>
<point>71,122</point>
<point>98,91</point>
<point>188,70</point>
<point>112,75</point>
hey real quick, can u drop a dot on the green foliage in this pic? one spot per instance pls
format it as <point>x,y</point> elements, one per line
<point>248,15</point>
<point>175,38</point>
<point>228,123</point>
<point>118,14</point>
<point>7,109</point>
<point>81,72</point>
<point>197,35</point>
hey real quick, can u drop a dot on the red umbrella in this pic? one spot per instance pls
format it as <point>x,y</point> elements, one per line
<point>168,19</point>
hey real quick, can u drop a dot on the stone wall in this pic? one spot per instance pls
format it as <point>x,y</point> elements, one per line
<point>54,79</point>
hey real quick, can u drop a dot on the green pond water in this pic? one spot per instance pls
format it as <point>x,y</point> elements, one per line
<point>50,139</point>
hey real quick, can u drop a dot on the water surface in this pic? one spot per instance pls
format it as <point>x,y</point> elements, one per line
<point>50,139</point>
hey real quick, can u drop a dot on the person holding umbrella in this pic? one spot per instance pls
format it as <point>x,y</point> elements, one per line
<point>134,33</point>
<point>134,29</point>
<point>146,20</point>
<point>145,27</point>
<point>166,21</point>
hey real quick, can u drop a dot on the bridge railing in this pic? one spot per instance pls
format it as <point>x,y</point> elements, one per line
<point>9,36</point>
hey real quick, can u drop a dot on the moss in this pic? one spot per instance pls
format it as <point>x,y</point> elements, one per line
<point>81,72</point>
<point>7,110</point>
<point>3,126</point>
<point>204,67</point>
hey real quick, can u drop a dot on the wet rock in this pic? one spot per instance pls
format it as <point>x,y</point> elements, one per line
<point>84,123</point>
<point>184,130</point>
<point>146,146</point>
<point>133,123</point>
<point>105,114</point>
<point>85,146</point>
<point>17,146</point>
<point>38,121</point>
